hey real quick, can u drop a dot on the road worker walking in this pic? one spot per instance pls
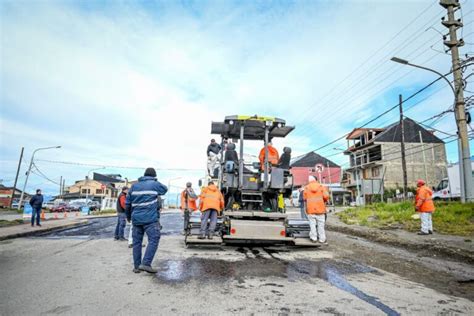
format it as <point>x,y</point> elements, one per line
<point>315,196</point>
<point>425,206</point>
<point>211,204</point>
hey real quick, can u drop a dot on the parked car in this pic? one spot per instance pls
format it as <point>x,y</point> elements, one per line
<point>17,201</point>
<point>94,206</point>
<point>49,205</point>
<point>61,207</point>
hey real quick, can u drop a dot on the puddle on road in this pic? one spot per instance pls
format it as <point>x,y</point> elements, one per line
<point>212,270</point>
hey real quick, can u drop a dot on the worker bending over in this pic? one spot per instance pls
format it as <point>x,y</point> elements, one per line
<point>273,156</point>
<point>315,196</point>
<point>211,204</point>
<point>424,204</point>
<point>188,204</point>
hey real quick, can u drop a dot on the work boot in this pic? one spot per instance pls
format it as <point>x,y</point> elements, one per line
<point>313,240</point>
<point>430,232</point>
<point>202,236</point>
<point>39,225</point>
<point>148,269</point>
<point>135,270</point>
<point>210,236</point>
<point>422,233</point>
<point>116,238</point>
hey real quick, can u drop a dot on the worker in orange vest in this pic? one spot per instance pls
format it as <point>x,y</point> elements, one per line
<point>425,206</point>
<point>315,196</point>
<point>273,156</point>
<point>188,204</point>
<point>211,204</point>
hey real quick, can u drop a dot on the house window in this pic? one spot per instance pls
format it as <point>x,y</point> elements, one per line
<point>375,172</point>
<point>106,191</point>
<point>86,191</point>
<point>99,191</point>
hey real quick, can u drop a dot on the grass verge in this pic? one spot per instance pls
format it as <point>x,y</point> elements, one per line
<point>104,212</point>
<point>452,218</point>
<point>5,223</point>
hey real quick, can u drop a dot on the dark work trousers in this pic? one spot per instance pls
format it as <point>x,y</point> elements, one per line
<point>36,212</point>
<point>153,233</point>
<point>206,215</point>
<point>303,211</point>
<point>120,228</point>
<point>187,215</point>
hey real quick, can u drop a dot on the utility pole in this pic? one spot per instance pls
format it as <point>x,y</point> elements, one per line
<point>402,144</point>
<point>459,110</point>
<point>424,156</point>
<point>16,177</point>
<point>61,186</point>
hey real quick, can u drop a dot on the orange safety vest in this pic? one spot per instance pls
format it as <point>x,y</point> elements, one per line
<point>191,205</point>
<point>315,196</point>
<point>424,200</point>
<point>211,198</point>
<point>273,156</point>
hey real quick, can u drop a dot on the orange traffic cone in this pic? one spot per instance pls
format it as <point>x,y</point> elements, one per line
<point>43,217</point>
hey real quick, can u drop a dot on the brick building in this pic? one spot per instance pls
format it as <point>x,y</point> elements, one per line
<point>6,195</point>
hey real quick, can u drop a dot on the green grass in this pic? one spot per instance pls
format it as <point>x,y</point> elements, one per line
<point>11,210</point>
<point>103,212</point>
<point>5,223</point>
<point>451,218</point>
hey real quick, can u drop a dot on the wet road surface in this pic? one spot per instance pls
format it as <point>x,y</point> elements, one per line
<point>351,276</point>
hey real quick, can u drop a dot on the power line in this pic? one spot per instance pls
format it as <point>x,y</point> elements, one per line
<point>112,166</point>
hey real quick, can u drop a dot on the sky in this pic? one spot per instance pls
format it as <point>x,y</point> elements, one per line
<point>128,85</point>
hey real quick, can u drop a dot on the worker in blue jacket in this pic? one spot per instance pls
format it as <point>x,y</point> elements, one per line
<point>141,208</point>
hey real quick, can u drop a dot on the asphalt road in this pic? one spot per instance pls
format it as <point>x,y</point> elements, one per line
<point>83,271</point>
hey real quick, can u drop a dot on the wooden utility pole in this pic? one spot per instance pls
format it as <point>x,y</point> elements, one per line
<point>453,44</point>
<point>402,144</point>
<point>424,156</point>
<point>16,177</point>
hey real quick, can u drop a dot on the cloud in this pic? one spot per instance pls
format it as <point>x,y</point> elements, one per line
<point>139,84</point>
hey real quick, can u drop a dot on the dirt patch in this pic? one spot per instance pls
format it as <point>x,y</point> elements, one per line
<point>428,249</point>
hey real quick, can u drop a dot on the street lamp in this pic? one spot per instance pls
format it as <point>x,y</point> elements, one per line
<point>87,180</point>
<point>465,167</point>
<point>29,170</point>
<point>169,187</point>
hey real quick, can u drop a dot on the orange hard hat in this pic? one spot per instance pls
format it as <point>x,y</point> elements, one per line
<point>420,182</point>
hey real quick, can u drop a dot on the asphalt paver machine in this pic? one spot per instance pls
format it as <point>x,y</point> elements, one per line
<point>253,193</point>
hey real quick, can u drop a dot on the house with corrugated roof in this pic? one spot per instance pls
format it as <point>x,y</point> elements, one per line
<point>99,187</point>
<point>313,164</point>
<point>376,160</point>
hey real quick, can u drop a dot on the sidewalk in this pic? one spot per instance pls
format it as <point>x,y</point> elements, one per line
<point>24,230</point>
<point>454,247</point>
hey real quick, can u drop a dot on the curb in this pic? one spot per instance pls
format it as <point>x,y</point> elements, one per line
<point>42,231</point>
<point>382,237</point>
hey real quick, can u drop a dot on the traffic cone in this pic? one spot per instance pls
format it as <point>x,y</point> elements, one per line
<point>43,217</point>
